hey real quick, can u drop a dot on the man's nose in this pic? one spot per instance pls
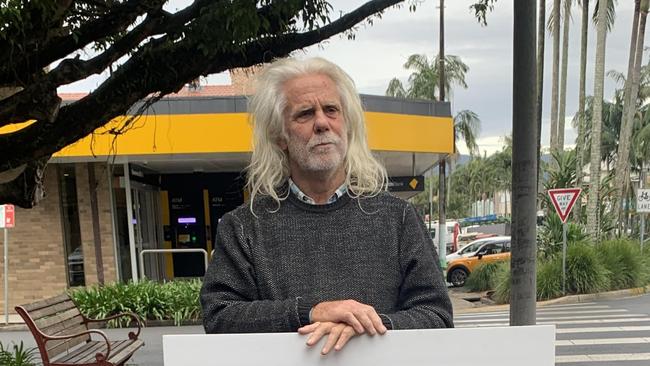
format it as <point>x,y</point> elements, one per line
<point>321,123</point>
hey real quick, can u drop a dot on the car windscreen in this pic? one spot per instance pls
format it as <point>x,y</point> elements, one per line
<point>472,247</point>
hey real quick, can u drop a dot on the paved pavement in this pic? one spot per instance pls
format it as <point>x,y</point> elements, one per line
<point>601,332</point>
<point>616,332</point>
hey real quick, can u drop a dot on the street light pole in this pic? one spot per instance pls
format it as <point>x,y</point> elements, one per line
<point>442,225</point>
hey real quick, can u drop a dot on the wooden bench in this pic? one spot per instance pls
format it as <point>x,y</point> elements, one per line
<point>63,337</point>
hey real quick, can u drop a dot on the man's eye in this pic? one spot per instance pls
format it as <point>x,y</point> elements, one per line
<point>304,115</point>
<point>331,110</point>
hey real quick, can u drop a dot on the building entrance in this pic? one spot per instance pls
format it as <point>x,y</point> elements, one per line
<point>195,204</point>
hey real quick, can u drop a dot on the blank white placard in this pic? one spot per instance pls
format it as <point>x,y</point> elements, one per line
<point>499,346</point>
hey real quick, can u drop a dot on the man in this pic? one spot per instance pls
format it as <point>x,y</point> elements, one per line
<point>321,249</point>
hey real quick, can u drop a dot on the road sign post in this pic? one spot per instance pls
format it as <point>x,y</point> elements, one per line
<point>563,200</point>
<point>7,220</point>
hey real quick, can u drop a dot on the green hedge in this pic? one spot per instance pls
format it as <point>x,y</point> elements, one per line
<point>623,260</point>
<point>611,265</point>
<point>484,277</point>
<point>174,300</point>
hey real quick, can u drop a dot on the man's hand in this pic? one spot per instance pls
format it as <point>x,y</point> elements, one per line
<point>363,318</point>
<point>338,335</point>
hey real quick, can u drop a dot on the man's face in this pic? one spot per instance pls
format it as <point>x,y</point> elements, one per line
<point>315,125</point>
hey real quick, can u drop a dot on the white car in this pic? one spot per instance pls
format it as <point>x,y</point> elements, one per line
<point>473,247</point>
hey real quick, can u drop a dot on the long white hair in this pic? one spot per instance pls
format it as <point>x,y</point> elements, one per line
<point>269,167</point>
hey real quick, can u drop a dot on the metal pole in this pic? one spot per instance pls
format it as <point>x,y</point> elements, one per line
<point>442,189</point>
<point>6,274</point>
<point>129,224</point>
<point>641,185</point>
<point>564,258</point>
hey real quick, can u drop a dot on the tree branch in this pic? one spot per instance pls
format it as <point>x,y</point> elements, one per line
<point>157,70</point>
<point>20,107</point>
<point>115,21</point>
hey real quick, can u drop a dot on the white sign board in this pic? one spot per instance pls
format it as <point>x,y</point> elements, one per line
<point>499,346</point>
<point>643,200</point>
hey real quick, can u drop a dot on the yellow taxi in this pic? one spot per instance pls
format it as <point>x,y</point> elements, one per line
<point>459,269</point>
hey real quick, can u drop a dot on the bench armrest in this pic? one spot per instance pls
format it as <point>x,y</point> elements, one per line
<point>133,316</point>
<point>99,356</point>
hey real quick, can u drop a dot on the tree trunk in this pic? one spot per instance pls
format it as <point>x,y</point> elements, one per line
<point>597,123</point>
<point>565,61</point>
<point>581,93</point>
<point>541,37</point>
<point>631,91</point>
<point>556,74</point>
<point>524,167</point>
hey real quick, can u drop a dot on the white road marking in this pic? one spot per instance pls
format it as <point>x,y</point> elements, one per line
<point>603,357</point>
<point>556,317</point>
<point>599,341</point>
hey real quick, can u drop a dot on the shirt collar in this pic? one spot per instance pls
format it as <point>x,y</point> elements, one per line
<point>343,189</point>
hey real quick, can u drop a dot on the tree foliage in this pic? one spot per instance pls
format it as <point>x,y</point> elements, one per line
<point>151,52</point>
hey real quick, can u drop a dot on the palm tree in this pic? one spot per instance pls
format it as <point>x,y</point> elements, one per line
<point>582,86</point>
<point>565,60</point>
<point>541,40</point>
<point>554,24</point>
<point>599,80</point>
<point>630,101</point>
<point>423,84</point>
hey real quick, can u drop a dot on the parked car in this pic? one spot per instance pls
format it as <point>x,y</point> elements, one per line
<point>460,268</point>
<point>451,237</point>
<point>473,247</point>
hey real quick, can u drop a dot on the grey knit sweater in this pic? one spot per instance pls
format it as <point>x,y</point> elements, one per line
<point>268,271</point>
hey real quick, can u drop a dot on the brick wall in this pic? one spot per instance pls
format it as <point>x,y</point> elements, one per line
<point>37,266</point>
<point>86,223</point>
<point>36,259</point>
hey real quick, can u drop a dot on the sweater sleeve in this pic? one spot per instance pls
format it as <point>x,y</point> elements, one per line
<point>423,299</point>
<point>229,296</point>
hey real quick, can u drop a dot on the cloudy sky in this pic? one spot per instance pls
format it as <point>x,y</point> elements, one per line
<point>379,51</point>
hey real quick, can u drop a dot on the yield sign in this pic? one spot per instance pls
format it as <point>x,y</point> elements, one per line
<point>563,200</point>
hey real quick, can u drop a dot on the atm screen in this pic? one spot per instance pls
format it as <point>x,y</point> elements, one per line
<point>187,220</point>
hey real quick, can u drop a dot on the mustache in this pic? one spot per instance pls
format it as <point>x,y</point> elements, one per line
<point>327,139</point>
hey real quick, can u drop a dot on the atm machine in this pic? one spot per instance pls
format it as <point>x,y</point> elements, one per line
<point>187,230</point>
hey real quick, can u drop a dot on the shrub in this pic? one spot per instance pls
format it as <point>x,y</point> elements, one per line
<point>176,300</point>
<point>622,258</point>
<point>584,271</point>
<point>550,235</point>
<point>19,356</point>
<point>549,278</point>
<point>502,284</point>
<point>483,277</point>
<point>645,268</point>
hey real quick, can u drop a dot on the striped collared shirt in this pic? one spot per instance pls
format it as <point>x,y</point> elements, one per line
<point>343,189</point>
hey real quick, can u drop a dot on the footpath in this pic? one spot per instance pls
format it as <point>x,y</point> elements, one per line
<point>151,354</point>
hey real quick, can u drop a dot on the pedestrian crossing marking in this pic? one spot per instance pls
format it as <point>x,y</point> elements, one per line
<point>558,317</point>
<point>603,357</point>
<point>599,341</point>
<point>601,329</point>
<point>553,312</point>
<point>591,321</point>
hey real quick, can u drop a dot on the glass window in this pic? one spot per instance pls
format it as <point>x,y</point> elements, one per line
<point>70,222</point>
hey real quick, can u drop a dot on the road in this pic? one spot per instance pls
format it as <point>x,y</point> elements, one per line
<point>598,333</point>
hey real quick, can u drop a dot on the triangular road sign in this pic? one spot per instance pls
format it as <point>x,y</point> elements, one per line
<point>563,200</point>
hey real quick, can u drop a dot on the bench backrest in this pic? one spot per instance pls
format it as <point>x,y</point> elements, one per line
<point>55,316</point>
